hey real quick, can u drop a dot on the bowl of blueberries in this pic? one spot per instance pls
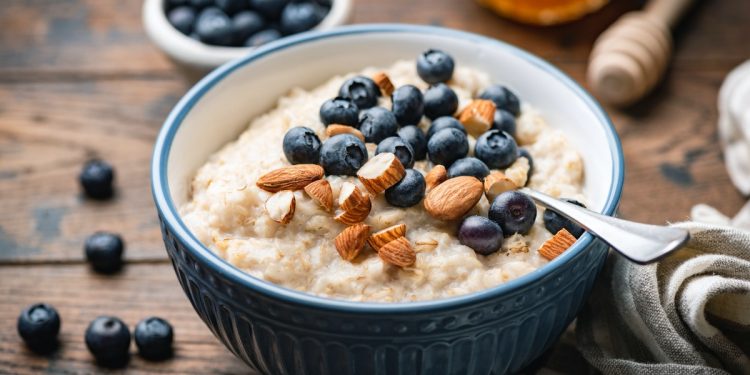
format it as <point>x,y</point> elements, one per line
<point>200,35</point>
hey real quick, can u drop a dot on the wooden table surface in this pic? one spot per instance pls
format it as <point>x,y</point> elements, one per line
<point>79,79</point>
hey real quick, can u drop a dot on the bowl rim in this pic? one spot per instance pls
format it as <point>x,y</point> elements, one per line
<point>171,218</point>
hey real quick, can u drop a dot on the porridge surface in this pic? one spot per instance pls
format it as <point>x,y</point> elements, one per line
<point>226,209</point>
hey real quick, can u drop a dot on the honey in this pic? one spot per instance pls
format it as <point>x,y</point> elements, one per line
<point>544,12</point>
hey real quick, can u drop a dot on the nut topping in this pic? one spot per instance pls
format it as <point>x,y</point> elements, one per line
<point>398,252</point>
<point>453,198</point>
<point>320,191</point>
<point>293,177</point>
<point>381,172</point>
<point>436,176</point>
<point>478,116</point>
<point>384,82</point>
<point>553,247</point>
<point>350,242</point>
<point>336,129</point>
<point>355,205</point>
<point>280,206</point>
<point>497,183</point>
<point>380,238</point>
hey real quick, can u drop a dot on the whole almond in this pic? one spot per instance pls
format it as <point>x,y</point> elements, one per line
<point>350,242</point>
<point>453,198</point>
<point>398,252</point>
<point>380,238</point>
<point>384,82</point>
<point>381,172</point>
<point>478,116</point>
<point>280,206</point>
<point>293,177</point>
<point>436,176</point>
<point>497,183</point>
<point>320,191</point>
<point>553,247</point>
<point>336,129</point>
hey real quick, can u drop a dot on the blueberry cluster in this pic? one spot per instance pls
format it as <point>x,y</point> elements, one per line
<point>107,337</point>
<point>248,23</point>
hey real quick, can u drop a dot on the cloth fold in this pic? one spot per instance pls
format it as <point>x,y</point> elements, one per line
<point>675,316</point>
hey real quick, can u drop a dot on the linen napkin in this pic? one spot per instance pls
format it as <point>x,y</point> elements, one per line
<point>690,312</point>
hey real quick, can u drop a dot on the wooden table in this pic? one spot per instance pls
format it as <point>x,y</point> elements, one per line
<point>78,79</point>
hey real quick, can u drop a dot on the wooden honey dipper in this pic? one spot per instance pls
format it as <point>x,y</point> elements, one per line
<point>630,57</point>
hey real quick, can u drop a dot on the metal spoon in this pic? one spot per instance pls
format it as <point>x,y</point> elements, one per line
<point>641,243</point>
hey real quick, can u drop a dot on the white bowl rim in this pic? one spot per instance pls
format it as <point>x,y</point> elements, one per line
<point>170,215</point>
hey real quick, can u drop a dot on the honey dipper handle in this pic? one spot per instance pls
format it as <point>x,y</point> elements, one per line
<point>668,11</point>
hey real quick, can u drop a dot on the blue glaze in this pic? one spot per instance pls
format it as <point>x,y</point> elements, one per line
<point>279,330</point>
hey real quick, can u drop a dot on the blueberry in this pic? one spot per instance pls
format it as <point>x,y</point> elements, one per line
<point>244,24</point>
<point>38,326</point>
<point>171,4</point>
<point>503,98</point>
<point>104,251</point>
<point>496,149</point>
<point>301,146</point>
<point>200,4</point>
<point>469,167</point>
<point>481,234</point>
<point>398,147</point>
<point>444,122</point>
<point>299,17</point>
<point>262,37</point>
<point>514,211</point>
<point>342,154</point>
<point>505,122</point>
<point>339,111</point>
<point>522,152</point>
<point>408,105</point>
<point>153,337</point>
<point>96,178</point>
<point>214,27</point>
<point>271,9</point>
<point>182,18</point>
<point>415,137</point>
<point>377,124</point>
<point>231,7</point>
<point>435,66</point>
<point>361,90</point>
<point>554,222</point>
<point>407,192</point>
<point>108,339</point>
<point>440,100</point>
<point>447,146</point>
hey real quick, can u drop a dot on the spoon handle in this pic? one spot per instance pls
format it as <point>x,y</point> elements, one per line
<point>641,243</point>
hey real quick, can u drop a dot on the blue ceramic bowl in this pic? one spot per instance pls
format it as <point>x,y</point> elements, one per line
<point>276,330</point>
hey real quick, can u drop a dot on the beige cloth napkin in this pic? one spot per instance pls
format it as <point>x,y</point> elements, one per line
<point>690,312</point>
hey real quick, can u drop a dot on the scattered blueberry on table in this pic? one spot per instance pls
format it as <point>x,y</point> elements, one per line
<point>108,339</point>
<point>554,221</point>
<point>97,178</point>
<point>514,211</point>
<point>104,252</point>
<point>481,234</point>
<point>153,337</point>
<point>38,325</point>
<point>301,146</point>
<point>407,192</point>
<point>399,147</point>
<point>249,23</point>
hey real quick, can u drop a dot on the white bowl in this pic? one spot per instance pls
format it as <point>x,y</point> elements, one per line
<point>200,57</point>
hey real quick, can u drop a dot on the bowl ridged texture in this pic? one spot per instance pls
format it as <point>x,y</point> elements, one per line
<point>497,336</point>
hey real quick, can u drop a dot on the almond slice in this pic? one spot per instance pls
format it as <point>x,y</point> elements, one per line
<point>280,206</point>
<point>398,252</point>
<point>497,183</point>
<point>381,172</point>
<point>436,176</point>
<point>380,238</point>
<point>320,191</point>
<point>336,129</point>
<point>478,116</point>
<point>293,177</point>
<point>553,247</point>
<point>351,217</point>
<point>384,82</point>
<point>453,198</point>
<point>350,242</point>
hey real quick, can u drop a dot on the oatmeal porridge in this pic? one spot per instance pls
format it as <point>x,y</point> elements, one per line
<point>294,237</point>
